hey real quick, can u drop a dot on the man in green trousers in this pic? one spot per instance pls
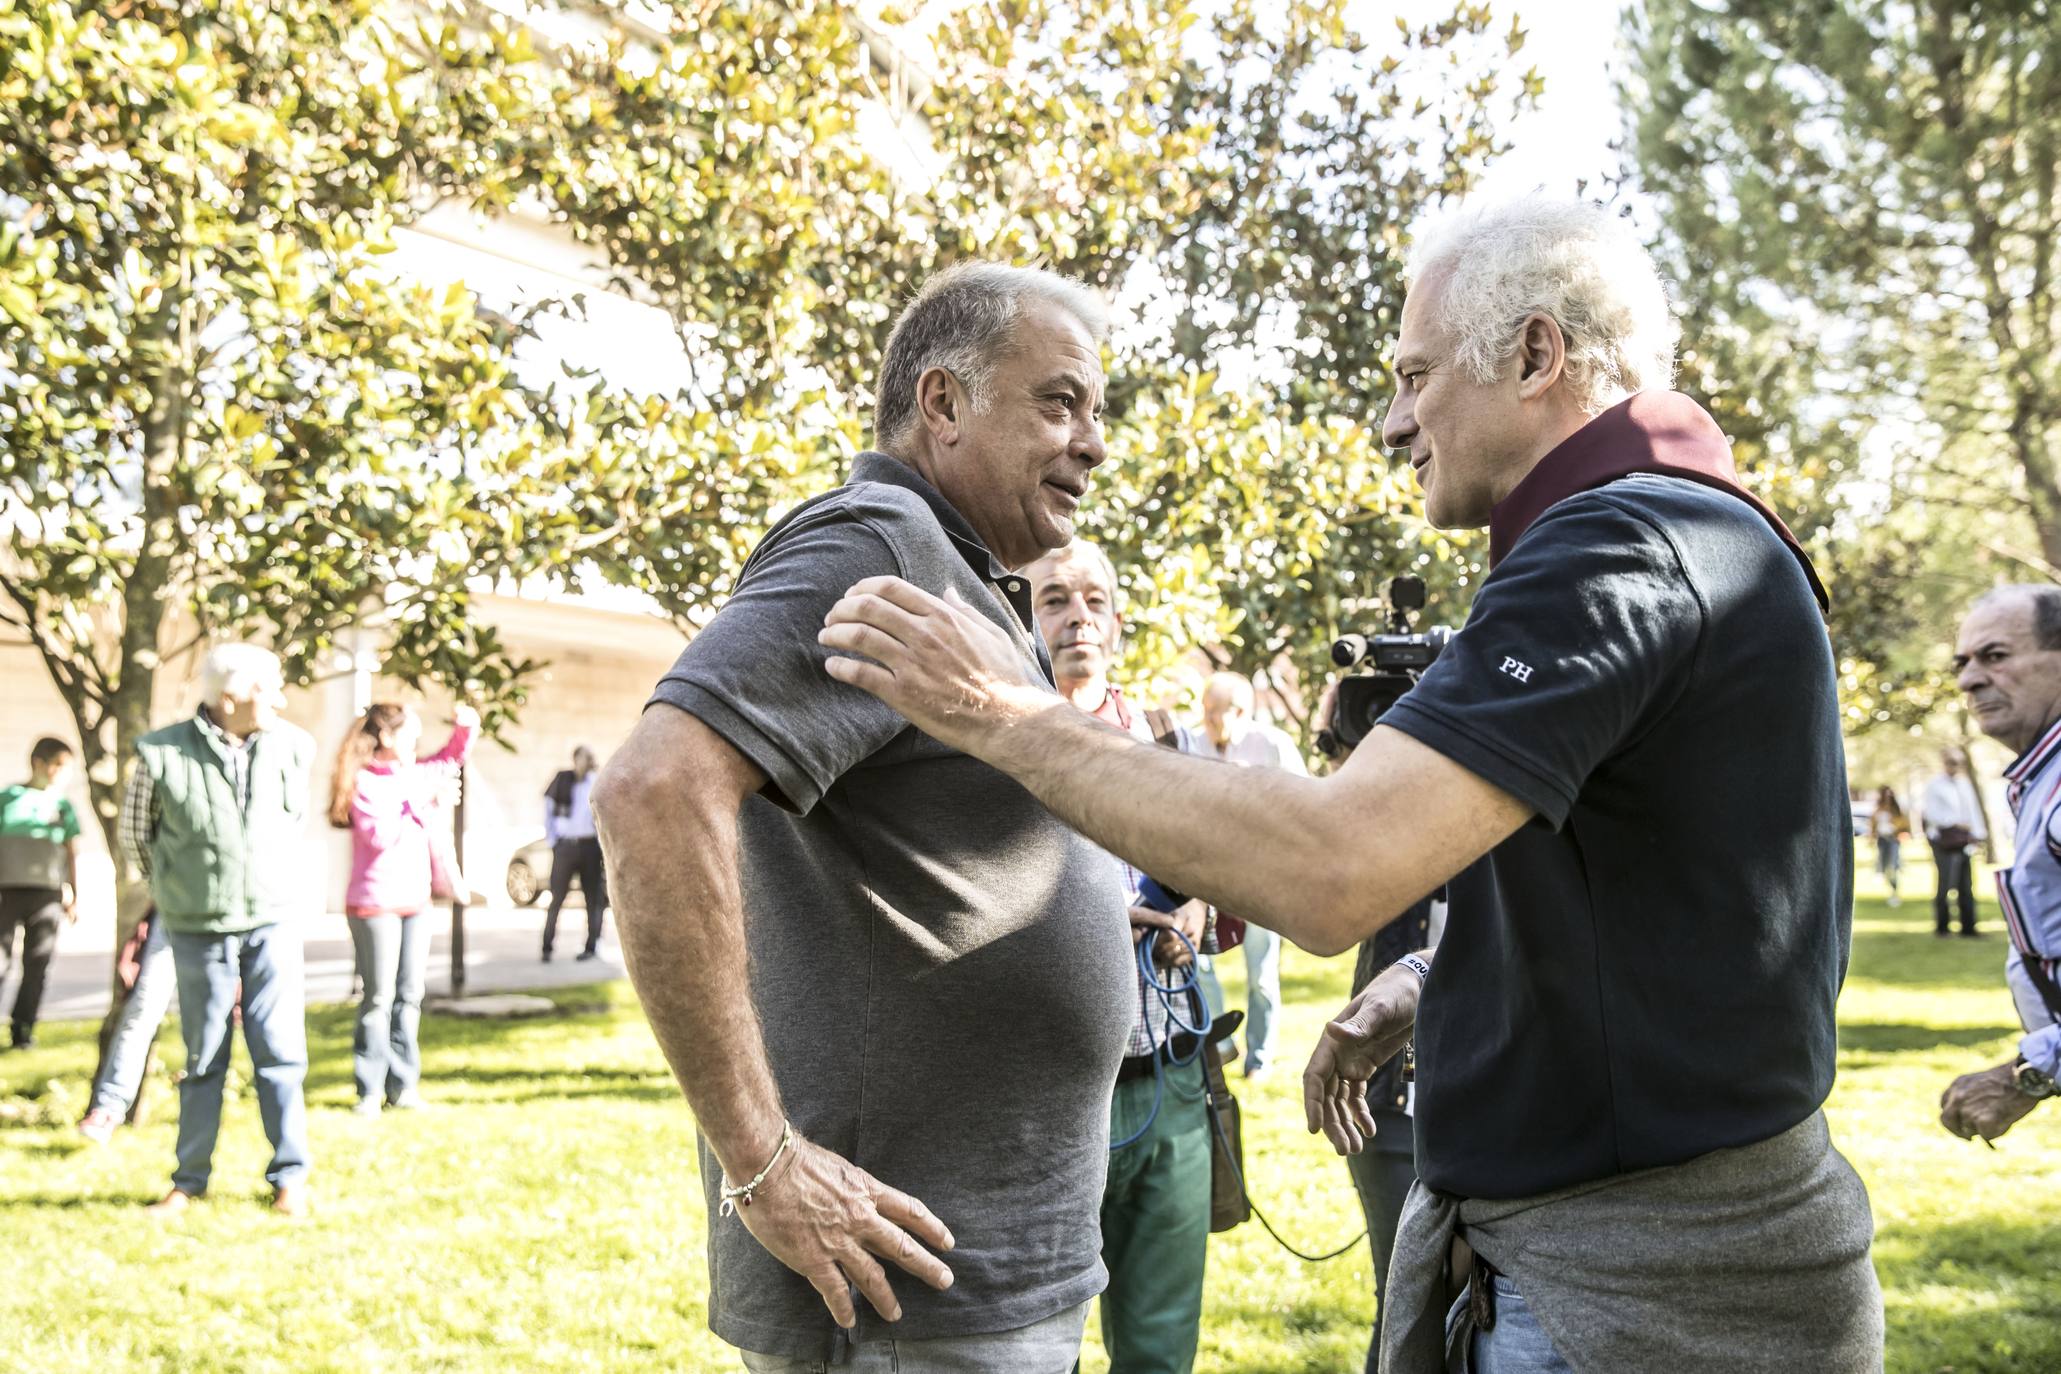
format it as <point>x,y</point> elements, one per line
<point>1155,1209</point>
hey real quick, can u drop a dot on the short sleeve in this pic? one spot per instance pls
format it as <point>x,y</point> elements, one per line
<point>755,673</point>
<point>1575,644</point>
<point>68,821</point>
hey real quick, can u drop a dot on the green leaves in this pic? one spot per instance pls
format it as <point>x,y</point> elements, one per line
<point>1860,214</point>
<point>216,392</point>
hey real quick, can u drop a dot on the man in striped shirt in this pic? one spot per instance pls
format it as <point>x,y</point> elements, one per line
<point>2009,666</point>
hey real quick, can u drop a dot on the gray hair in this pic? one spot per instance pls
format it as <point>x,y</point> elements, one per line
<point>2046,608</point>
<point>963,320</point>
<point>237,670</point>
<point>1574,263</point>
<point>1082,551</point>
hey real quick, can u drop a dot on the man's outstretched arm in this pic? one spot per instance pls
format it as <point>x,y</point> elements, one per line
<point>666,808</point>
<point>1325,861</point>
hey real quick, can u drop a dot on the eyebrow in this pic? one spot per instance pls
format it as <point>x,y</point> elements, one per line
<point>1080,382</point>
<point>1982,648</point>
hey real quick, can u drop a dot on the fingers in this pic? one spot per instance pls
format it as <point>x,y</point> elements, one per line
<point>872,609</point>
<point>1314,1079</point>
<point>854,637</point>
<point>1146,916</point>
<point>906,595</point>
<point>855,672</point>
<point>830,1285</point>
<point>871,1280</point>
<point>903,1210</point>
<point>1339,1128</point>
<point>1362,1114</point>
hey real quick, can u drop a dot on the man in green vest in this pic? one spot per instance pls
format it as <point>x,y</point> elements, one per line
<point>213,816</point>
<point>39,875</point>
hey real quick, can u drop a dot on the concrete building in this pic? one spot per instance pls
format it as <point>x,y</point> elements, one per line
<point>600,664</point>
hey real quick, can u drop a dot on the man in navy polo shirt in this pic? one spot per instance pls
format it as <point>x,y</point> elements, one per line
<point>1628,1033</point>
<point>2009,662</point>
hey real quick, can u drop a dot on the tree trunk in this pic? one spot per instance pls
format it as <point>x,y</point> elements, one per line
<point>134,680</point>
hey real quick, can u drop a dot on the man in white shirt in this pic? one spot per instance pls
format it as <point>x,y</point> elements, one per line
<point>1230,733</point>
<point>1953,826</point>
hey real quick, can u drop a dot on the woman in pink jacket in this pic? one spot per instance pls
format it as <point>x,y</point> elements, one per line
<point>388,799</point>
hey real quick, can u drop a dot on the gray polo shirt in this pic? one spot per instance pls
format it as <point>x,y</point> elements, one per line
<point>942,969</point>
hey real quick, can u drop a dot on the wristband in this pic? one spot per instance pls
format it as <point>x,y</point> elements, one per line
<point>1416,966</point>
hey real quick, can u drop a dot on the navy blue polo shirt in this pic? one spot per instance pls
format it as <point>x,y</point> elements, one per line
<point>1647,970</point>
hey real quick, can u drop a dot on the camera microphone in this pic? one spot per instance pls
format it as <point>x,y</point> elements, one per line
<point>1347,650</point>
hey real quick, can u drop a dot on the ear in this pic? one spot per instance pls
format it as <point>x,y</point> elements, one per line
<point>1541,356</point>
<point>940,404</point>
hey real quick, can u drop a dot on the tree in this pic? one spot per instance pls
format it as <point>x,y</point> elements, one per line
<point>1252,175</point>
<point>1267,513</point>
<point>214,397</point>
<point>1859,205</point>
<point>212,394</point>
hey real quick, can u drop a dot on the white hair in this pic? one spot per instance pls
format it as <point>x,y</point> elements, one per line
<point>1236,686</point>
<point>964,321</point>
<point>1573,262</point>
<point>237,670</point>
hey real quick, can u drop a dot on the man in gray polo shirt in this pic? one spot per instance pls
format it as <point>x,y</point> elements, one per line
<point>881,970</point>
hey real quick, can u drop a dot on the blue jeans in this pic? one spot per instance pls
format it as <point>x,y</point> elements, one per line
<point>267,963</point>
<point>1517,1344</point>
<point>393,960</point>
<point>1262,995</point>
<point>128,1053</point>
<point>1047,1347</point>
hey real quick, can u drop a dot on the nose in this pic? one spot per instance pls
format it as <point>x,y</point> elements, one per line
<point>1088,447</point>
<point>1972,677</point>
<point>1399,426</point>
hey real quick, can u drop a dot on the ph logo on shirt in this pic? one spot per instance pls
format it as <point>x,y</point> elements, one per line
<point>1512,668</point>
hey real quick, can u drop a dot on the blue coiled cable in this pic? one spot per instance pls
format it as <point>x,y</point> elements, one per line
<point>1169,994</point>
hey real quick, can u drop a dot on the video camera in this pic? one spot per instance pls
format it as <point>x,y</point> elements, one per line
<point>1398,658</point>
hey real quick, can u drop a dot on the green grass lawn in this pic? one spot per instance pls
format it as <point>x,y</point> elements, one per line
<point>545,1214</point>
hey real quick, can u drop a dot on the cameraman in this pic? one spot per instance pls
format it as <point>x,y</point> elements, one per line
<point>1626,1043</point>
<point>1383,1170</point>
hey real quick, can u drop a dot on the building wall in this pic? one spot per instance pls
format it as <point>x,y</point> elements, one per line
<point>600,666</point>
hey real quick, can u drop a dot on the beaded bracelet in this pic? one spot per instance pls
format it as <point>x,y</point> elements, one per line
<point>740,1195</point>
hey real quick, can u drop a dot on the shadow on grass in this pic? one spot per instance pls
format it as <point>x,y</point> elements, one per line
<point>1974,1297</point>
<point>1878,1038</point>
<point>1916,958</point>
<point>80,1202</point>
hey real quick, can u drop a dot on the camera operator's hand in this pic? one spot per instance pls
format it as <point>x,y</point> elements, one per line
<point>1371,1030</point>
<point>1320,725</point>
